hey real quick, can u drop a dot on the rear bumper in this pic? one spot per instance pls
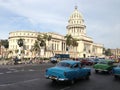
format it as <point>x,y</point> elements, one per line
<point>55,78</point>
<point>102,70</point>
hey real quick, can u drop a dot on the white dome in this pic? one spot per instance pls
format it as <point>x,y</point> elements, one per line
<point>76,14</point>
<point>76,18</point>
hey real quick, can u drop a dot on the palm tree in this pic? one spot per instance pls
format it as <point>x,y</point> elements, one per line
<point>5,43</point>
<point>75,44</point>
<point>42,41</point>
<point>36,48</point>
<point>68,41</point>
<point>20,43</point>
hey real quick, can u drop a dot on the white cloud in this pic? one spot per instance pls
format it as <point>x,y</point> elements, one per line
<point>102,18</point>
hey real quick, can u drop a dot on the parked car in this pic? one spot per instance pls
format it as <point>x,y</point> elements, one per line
<point>116,71</point>
<point>53,60</point>
<point>96,60</point>
<point>104,66</point>
<point>67,70</point>
<point>87,62</point>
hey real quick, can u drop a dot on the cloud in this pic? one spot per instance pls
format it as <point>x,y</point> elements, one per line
<point>102,18</point>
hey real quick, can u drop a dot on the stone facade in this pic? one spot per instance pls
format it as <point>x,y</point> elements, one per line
<point>115,52</point>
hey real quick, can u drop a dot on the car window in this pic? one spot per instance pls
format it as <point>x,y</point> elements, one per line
<point>63,64</point>
<point>103,62</point>
<point>76,65</point>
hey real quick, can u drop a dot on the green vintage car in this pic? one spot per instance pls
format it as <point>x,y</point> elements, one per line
<point>104,66</point>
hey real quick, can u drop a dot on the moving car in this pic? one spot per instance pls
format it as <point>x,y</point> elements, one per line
<point>67,70</point>
<point>116,71</point>
<point>53,60</point>
<point>104,66</point>
<point>87,62</point>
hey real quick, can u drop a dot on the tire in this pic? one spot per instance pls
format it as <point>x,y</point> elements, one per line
<point>54,81</point>
<point>115,76</point>
<point>88,76</point>
<point>96,71</point>
<point>72,82</point>
<point>110,72</point>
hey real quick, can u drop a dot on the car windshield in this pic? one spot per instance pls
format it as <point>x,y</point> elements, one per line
<point>63,64</point>
<point>103,62</point>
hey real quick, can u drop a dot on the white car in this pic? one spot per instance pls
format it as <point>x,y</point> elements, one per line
<point>53,60</point>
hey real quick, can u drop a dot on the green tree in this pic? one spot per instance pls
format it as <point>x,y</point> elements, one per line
<point>75,45</point>
<point>42,41</point>
<point>108,52</point>
<point>36,48</point>
<point>5,43</point>
<point>68,41</point>
<point>20,43</point>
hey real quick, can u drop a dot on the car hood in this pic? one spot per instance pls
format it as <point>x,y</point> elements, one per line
<point>102,66</point>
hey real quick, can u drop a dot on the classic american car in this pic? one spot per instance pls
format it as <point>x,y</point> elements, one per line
<point>67,70</point>
<point>104,66</point>
<point>116,71</point>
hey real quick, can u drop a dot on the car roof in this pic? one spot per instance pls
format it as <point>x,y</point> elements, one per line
<point>70,61</point>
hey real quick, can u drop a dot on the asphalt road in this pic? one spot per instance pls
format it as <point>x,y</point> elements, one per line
<point>31,77</point>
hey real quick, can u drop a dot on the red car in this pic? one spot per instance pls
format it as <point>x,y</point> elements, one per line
<point>87,62</point>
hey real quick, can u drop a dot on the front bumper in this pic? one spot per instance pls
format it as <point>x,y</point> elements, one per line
<point>55,78</point>
<point>102,70</point>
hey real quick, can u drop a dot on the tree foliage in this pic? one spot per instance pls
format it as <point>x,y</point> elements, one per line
<point>5,43</point>
<point>107,52</point>
<point>20,42</point>
<point>70,41</point>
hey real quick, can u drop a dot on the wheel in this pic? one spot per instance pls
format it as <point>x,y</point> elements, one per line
<point>54,81</point>
<point>115,76</point>
<point>72,82</point>
<point>96,71</point>
<point>88,76</point>
<point>110,72</point>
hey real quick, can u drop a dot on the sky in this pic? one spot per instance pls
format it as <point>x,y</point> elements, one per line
<point>102,18</point>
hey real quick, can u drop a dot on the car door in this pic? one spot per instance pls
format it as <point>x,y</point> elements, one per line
<point>78,70</point>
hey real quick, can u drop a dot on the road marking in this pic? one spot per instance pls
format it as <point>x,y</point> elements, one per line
<point>8,72</point>
<point>22,70</point>
<point>1,73</point>
<point>31,70</point>
<point>12,69</point>
<point>3,85</point>
<point>65,88</point>
<point>16,71</point>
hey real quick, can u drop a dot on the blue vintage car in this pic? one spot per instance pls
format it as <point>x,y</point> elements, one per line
<point>67,70</point>
<point>116,71</point>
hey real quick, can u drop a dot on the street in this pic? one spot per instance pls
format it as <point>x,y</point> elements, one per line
<point>31,77</point>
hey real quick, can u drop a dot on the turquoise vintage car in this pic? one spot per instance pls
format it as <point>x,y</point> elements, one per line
<point>116,71</point>
<point>67,70</point>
